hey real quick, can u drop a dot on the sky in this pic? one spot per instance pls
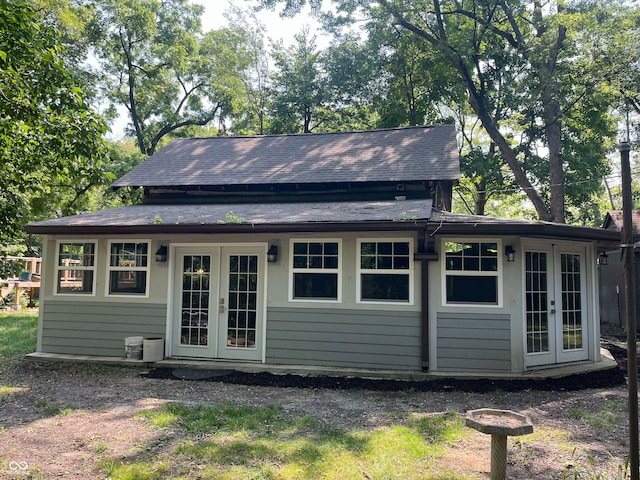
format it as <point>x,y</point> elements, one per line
<point>278,28</point>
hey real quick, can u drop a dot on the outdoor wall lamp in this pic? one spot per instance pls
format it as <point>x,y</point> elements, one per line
<point>510,253</point>
<point>603,258</point>
<point>161,254</point>
<point>272,254</point>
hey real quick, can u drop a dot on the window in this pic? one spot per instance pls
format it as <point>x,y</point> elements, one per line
<point>315,270</point>
<point>128,268</point>
<point>472,272</point>
<point>75,269</point>
<point>386,271</point>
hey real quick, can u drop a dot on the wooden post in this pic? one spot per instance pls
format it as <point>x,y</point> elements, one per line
<point>627,247</point>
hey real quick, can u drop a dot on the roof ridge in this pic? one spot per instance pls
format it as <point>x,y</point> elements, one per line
<point>280,135</point>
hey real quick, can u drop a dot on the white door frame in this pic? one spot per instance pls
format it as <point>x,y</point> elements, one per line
<point>555,308</point>
<point>223,249</point>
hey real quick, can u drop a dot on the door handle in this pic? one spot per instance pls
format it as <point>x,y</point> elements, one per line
<point>221,306</point>
<point>553,310</point>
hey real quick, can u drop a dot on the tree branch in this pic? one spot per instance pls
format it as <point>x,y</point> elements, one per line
<point>185,123</point>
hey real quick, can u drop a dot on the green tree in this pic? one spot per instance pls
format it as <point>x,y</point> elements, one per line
<point>526,67</point>
<point>298,86</point>
<point>251,103</point>
<point>50,140</point>
<point>155,62</point>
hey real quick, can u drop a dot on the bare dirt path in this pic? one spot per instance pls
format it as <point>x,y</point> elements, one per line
<point>60,420</point>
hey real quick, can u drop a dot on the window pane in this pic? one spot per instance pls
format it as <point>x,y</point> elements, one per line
<point>315,262</point>
<point>385,287</point>
<point>489,265</point>
<point>367,248</point>
<point>401,263</point>
<point>470,289</point>
<point>472,264</point>
<point>299,261</point>
<point>300,248</point>
<point>315,249</point>
<point>317,255</point>
<point>489,249</point>
<point>401,248</point>
<point>385,263</point>
<point>75,281</point>
<point>385,248</point>
<point>315,285</point>
<point>453,248</point>
<point>128,282</point>
<point>76,254</point>
<point>367,262</point>
<point>331,248</point>
<point>128,254</point>
<point>330,262</point>
<point>471,249</point>
<point>454,264</point>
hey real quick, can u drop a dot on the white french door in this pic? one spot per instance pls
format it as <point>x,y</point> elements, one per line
<point>556,308</point>
<point>218,307</point>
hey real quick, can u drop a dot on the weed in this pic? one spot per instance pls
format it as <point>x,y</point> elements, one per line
<point>100,447</point>
<point>48,408</point>
<point>586,468</point>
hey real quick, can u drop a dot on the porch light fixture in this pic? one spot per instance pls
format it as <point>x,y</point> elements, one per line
<point>510,253</point>
<point>603,258</point>
<point>272,254</point>
<point>161,254</point>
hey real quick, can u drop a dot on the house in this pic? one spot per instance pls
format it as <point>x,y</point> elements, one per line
<point>324,250</point>
<point>612,287</point>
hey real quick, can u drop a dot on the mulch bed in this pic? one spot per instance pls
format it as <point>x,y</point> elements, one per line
<point>598,379</point>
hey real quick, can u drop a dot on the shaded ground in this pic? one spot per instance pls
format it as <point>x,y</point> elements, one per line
<point>64,420</point>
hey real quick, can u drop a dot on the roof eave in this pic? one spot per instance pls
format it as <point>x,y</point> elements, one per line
<point>308,227</point>
<point>539,230</point>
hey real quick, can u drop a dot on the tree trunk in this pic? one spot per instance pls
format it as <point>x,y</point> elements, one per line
<point>481,197</point>
<point>553,130</point>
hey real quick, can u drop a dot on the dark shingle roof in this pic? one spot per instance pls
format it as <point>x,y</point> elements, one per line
<point>401,154</point>
<point>222,217</point>
<point>614,221</point>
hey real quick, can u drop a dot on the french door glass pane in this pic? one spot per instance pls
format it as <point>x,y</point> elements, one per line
<point>194,327</point>
<point>242,313</point>
<point>536,302</point>
<point>571,302</point>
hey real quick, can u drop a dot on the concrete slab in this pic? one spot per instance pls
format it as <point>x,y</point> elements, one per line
<point>607,362</point>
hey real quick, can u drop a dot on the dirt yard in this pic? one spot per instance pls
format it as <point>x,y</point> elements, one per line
<point>59,420</point>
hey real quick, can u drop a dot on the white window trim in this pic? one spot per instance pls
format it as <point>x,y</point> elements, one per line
<point>110,269</point>
<point>292,270</point>
<point>93,268</point>
<point>409,271</point>
<point>498,273</point>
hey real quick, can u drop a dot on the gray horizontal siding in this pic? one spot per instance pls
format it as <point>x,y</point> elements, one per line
<point>344,338</point>
<point>474,342</point>
<point>98,328</point>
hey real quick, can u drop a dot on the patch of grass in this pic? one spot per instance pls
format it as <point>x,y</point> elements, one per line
<point>605,417</point>
<point>201,419</point>
<point>7,390</point>
<point>17,333</point>
<point>48,408</point>
<point>136,471</point>
<point>226,442</point>
<point>542,433</point>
